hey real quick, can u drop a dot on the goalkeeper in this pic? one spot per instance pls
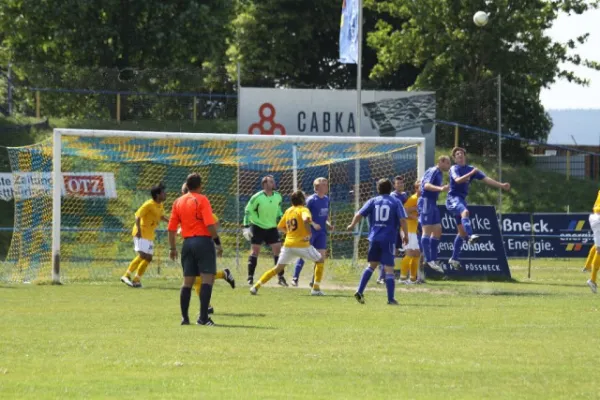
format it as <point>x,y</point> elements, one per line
<point>260,225</point>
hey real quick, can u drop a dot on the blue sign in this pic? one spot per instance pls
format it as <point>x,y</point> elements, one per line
<point>553,235</point>
<point>483,259</point>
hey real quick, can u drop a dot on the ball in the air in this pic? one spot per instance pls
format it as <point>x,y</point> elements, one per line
<point>480,18</point>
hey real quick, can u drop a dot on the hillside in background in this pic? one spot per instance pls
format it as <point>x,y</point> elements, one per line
<point>532,190</point>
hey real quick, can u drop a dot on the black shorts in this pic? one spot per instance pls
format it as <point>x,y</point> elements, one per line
<point>260,235</point>
<point>198,256</point>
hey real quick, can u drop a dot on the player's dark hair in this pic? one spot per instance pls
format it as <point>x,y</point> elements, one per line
<point>157,190</point>
<point>454,150</point>
<point>297,198</point>
<point>398,178</point>
<point>193,181</point>
<point>384,186</point>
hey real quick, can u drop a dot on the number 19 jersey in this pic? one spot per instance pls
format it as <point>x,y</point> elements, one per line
<point>293,221</point>
<point>384,213</point>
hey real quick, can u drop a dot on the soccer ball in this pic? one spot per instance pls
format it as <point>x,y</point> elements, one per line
<point>480,18</point>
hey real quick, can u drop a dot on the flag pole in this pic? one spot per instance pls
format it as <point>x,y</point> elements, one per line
<point>358,115</point>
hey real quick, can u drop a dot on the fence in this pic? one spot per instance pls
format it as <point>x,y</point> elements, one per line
<point>479,116</point>
<point>582,162</point>
<point>113,96</point>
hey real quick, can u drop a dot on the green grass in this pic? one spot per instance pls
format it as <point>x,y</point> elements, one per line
<point>456,340</point>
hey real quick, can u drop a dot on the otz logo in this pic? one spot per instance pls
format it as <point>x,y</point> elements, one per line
<point>266,125</point>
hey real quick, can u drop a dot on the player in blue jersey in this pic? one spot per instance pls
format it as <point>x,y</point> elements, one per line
<point>385,215</point>
<point>429,214</point>
<point>318,205</point>
<point>400,195</point>
<point>461,175</point>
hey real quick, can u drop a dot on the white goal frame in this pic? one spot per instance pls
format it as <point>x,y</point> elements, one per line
<point>57,162</point>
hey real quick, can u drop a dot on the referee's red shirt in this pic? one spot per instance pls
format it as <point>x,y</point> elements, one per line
<point>194,213</point>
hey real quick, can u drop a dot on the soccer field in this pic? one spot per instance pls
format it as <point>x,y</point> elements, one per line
<point>531,339</point>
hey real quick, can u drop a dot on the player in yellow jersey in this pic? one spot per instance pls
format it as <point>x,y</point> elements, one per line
<point>410,262</point>
<point>589,260</point>
<point>147,218</point>
<point>595,225</point>
<point>296,223</point>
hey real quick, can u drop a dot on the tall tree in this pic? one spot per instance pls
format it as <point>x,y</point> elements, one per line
<point>146,46</point>
<point>461,61</point>
<point>294,43</point>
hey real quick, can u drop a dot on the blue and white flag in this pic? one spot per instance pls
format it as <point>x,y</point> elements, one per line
<point>349,32</point>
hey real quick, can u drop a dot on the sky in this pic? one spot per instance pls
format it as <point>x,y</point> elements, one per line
<point>565,95</point>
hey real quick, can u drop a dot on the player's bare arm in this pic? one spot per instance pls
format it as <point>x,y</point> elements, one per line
<point>404,227</point>
<point>493,183</point>
<point>331,228</point>
<point>173,245</point>
<point>164,219</point>
<point>212,229</point>
<point>138,220</point>
<point>466,176</point>
<point>309,222</point>
<point>355,220</point>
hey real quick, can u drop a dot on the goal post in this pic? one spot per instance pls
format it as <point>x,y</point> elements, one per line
<point>97,228</point>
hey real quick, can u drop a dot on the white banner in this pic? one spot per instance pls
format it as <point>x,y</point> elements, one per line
<point>320,112</point>
<point>87,185</point>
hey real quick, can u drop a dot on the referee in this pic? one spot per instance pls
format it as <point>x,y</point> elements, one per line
<point>260,225</point>
<point>198,255</point>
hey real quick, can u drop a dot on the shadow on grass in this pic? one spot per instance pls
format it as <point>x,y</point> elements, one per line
<point>426,305</point>
<point>244,326</point>
<point>243,314</point>
<point>509,293</point>
<point>554,284</point>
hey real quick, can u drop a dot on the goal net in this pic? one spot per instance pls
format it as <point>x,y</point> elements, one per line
<point>78,227</point>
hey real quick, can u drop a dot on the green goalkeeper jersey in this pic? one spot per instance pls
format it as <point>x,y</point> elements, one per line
<point>263,211</point>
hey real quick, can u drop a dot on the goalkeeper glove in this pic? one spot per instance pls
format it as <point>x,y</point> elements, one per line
<point>247,233</point>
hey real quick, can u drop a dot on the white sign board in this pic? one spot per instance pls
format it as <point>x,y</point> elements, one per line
<point>26,185</point>
<point>319,112</point>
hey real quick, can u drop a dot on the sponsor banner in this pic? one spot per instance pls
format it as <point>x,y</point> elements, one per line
<point>483,259</point>
<point>554,234</point>
<point>321,112</point>
<point>87,185</point>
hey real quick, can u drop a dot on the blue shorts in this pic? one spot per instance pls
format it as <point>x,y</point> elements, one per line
<point>319,240</point>
<point>399,244</point>
<point>429,213</point>
<point>456,206</point>
<point>382,252</point>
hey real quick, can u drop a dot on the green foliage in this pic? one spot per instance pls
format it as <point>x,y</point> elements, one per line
<point>283,43</point>
<point>116,33</point>
<point>461,61</point>
<point>149,46</point>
